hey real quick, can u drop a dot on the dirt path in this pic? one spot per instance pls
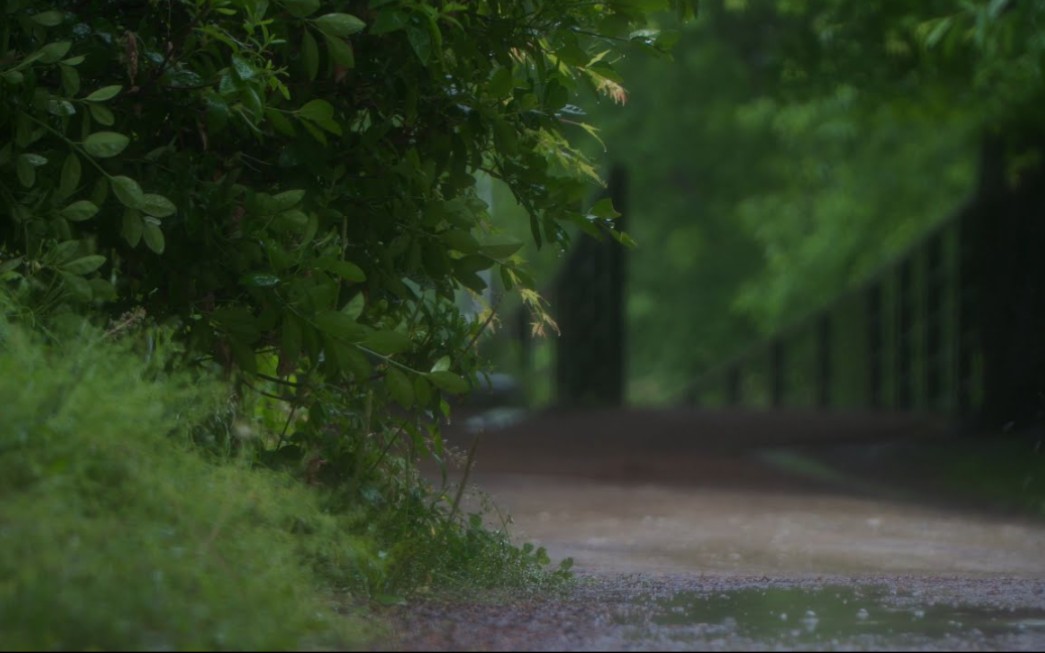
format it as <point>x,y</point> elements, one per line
<point>687,537</point>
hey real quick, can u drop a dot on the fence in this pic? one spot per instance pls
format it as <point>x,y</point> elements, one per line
<point>904,340</point>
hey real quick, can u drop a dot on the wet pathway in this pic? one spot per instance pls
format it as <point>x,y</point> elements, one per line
<point>693,540</point>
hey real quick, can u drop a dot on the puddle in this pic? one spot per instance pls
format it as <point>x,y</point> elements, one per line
<point>831,617</point>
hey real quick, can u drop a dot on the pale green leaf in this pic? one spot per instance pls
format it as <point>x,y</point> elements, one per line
<point>387,342</point>
<point>84,264</point>
<point>78,211</point>
<point>47,18</point>
<point>104,93</point>
<point>339,25</point>
<point>448,381</point>
<point>354,308</point>
<point>340,51</point>
<point>105,144</point>
<point>153,237</point>
<point>157,205</point>
<point>53,52</point>
<point>127,191</point>
<point>132,227</point>
<point>288,199</point>
<point>101,114</point>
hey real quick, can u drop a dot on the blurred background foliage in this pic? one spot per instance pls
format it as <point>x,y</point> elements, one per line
<point>786,151</point>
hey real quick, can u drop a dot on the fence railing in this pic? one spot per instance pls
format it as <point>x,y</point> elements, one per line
<point>903,340</point>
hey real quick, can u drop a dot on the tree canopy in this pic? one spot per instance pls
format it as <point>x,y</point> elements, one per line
<point>292,184</point>
<point>792,148</point>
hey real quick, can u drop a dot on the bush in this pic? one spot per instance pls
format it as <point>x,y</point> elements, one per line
<point>115,534</point>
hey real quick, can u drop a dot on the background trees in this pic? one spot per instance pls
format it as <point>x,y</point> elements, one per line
<point>792,148</point>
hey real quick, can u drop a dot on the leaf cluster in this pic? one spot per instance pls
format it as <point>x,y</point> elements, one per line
<point>293,182</point>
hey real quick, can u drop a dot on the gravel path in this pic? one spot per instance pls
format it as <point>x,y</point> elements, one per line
<point>686,536</point>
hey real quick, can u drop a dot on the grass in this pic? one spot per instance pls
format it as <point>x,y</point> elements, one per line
<point>116,532</point>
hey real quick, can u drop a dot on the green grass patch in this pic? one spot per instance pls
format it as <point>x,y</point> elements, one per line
<point>114,534</point>
<point>118,532</point>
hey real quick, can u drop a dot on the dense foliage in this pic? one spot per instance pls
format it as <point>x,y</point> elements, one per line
<point>292,184</point>
<point>793,148</point>
<point>286,190</point>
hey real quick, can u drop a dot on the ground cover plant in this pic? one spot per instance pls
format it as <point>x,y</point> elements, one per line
<point>233,242</point>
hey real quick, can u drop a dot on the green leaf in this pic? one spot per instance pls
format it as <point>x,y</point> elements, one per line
<point>70,81</point>
<point>70,177</point>
<point>354,308</point>
<point>441,365</point>
<point>239,321</point>
<point>421,42</point>
<point>286,200</point>
<point>309,55</point>
<point>84,265</point>
<point>399,387</point>
<point>153,236</point>
<point>500,250</point>
<point>260,280</point>
<point>102,115</point>
<point>127,191</point>
<point>460,240</point>
<point>243,68</point>
<point>339,25</point>
<point>77,285</point>
<point>78,211</point>
<point>422,391</point>
<point>501,83</point>
<point>344,269</point>
<point>53,52</point>
<point>349,359</point>
<point>157,205</point>
<point>388,20</point>
<point>340,51</point>
<point>448,381</point>
<point>301,8</point>
<point>104,93</point>
<point>387,342</point>
<point>47,18</point>
<point>604,209</point>
<point>61,108</point>
<point>320,112</point>
<point>279,121</point>
<point>105,144</point>
<point>132,227</point>
<point>341,326</point>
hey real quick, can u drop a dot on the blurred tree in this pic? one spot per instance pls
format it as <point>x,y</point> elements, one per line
<point>792,149</point>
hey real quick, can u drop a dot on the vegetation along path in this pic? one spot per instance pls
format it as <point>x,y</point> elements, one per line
<point>743,531</point>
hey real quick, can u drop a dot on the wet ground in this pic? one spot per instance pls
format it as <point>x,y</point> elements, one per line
<point>718,532</point>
